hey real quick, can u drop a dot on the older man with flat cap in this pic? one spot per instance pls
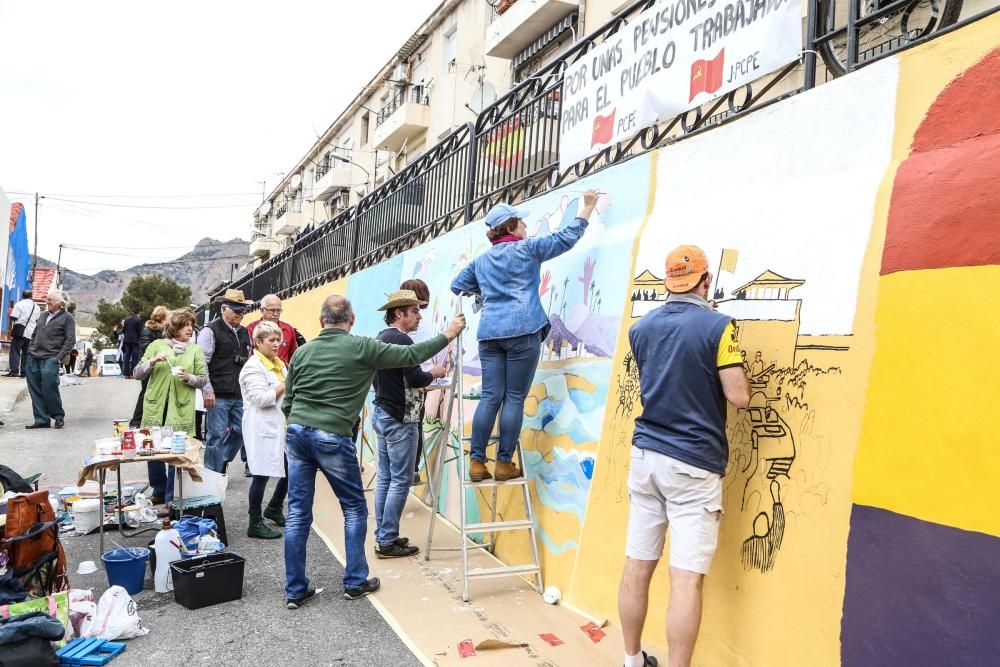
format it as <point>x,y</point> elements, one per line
<point>227,347</point>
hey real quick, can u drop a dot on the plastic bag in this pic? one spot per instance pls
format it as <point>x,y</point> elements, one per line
<point>145,514</point>
<point>82,608</point>
<point>212,484</point>
<point>117,617</point>
<point>191,528</point>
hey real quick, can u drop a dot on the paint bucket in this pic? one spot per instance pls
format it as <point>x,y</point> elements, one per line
<point>126,567</point>
<point>87,514</point>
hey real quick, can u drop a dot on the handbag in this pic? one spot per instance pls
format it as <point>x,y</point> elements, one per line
<point>17,331</point>
<point>32,541</point>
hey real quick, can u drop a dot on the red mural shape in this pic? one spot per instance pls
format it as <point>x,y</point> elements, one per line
<point>945,206</point>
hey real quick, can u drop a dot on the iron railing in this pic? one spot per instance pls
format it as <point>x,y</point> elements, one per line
<point>511,151</point>
<point>405,95</point>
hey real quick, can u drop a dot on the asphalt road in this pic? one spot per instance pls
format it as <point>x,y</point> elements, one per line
<point>257,629</point>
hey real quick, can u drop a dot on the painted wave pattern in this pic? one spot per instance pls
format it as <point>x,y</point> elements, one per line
<point>562,484</point>
<point>577,413</point>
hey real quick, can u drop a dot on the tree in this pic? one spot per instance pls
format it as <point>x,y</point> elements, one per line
<point>143,293</point>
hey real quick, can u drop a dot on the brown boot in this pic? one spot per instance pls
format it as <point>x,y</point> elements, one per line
<point>507,470</point>
<point>478,471</point>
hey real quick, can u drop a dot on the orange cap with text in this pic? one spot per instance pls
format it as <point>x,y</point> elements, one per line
<point>686,265</point>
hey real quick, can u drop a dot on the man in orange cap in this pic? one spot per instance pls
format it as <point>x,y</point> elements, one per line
<point>689,365</point>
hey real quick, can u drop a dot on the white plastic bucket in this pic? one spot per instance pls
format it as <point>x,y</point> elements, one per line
<point>87,514</point>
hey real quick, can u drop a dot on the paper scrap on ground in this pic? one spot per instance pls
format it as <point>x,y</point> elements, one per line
<point>466,649</point>
<point>594,632</point>
<point>495,645</point>
<point>551,639</point>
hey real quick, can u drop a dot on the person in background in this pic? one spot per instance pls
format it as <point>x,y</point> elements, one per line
<point>326,386</point>
<point>71,360</point>
<point>270,311</point>
<point>54,337</point>
<point>23,317</point>
<point>399,399</point>
<point>131,332</point>
<point>88,361</point>
<point>262,384</point>
<point>173,368</point>
<point>151,332</point>
<point>512,326</point>
<point>690,364</point>
<point>227,347</point>
<point>419,287</point>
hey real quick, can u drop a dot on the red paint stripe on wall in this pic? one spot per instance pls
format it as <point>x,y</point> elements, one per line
<point>945,206</point>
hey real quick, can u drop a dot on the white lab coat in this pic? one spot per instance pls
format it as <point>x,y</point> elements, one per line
<point>263,421</point>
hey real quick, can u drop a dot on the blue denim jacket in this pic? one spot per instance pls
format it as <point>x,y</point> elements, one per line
<point>507,276</point>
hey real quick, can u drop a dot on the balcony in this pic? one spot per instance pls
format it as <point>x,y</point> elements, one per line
<point>264,246</point>
<point>524,22</point>
<point>404,117</point>
<point>288,219</point>
<point>331,175</point>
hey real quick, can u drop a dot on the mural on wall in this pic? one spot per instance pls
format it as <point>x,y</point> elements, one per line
<point>789,272</point>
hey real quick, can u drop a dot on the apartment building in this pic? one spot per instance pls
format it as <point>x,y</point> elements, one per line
<point>463,56</point>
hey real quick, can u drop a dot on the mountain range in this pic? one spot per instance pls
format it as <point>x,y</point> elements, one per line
<point>202,269</point>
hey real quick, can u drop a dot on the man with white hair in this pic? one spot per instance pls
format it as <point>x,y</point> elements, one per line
<point>55,335</point>
<point>270,311</point>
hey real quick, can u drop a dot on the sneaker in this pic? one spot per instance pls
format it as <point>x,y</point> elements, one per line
<point>395,550</point>
<point>506,470</point>
<point>401,541</point>
<point>648,660</point>
<point>478,471</point>
<point>370,587</point>
<point>295,603</point>
<point>246,470</point>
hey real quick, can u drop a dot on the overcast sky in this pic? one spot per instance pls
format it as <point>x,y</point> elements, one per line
<point>132,99</point>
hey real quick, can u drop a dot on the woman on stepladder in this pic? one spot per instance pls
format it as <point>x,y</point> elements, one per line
<point>512,326</point>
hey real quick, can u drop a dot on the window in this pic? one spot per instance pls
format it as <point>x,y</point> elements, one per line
<point>448,49</point>
<point>365,120</point>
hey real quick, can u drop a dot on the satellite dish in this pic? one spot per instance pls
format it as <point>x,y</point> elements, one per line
<point>483,96</point>
<point>296,181</point>
<point>265,208</point>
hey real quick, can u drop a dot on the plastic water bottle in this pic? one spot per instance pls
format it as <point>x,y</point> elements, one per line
<point>167,552</point>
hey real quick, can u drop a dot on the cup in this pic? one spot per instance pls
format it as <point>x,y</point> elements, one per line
<point>178,443</point>
<point>86,567</point>
<point>176,371</point>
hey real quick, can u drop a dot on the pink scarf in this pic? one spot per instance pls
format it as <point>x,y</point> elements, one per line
<point>506,238</point>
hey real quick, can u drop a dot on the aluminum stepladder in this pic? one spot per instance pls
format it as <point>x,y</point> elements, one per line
<point>451,451</point>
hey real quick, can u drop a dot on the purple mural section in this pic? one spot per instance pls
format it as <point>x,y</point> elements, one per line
<point>919,593</point>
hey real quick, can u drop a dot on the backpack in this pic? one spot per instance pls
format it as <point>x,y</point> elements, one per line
<point>31,539</point>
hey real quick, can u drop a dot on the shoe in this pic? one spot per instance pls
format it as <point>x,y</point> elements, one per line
<point>59,423</point>
<point>274,513</point>
<point>395,550</point>
<point>257,528</point>
<point>156,500</point>
<point>295,603</point>
<point>370,587</point>
<point>507,470</point>
<point>246,470</point>
<point>37,425</point>
<point>478,471</point>
<point>401,541</point>
<point>11,375</point>
<point>648,660</point>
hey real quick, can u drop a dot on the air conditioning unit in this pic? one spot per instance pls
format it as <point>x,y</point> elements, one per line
<point>340,200</point>
<point>401,73</point>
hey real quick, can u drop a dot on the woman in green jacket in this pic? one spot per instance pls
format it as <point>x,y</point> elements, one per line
<point>175,367</point>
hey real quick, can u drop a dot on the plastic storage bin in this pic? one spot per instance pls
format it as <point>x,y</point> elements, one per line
<point>207,580</point>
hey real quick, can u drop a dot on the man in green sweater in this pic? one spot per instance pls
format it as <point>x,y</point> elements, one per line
<point>325,390</point>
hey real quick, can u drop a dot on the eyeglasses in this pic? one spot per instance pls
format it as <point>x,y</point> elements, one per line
<point>273,311</point>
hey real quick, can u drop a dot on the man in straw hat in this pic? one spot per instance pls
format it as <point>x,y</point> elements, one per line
<point>227,347</point>
<point>399,398</point>
<point>689,364</point>
<point>325,389</point>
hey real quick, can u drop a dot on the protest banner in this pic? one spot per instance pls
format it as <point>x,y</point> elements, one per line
<point>672,57</point>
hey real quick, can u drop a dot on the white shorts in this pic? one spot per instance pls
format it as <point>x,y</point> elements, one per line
<point>665,492</point>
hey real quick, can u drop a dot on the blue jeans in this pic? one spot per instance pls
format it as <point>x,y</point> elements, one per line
<point>19,355</point>
<point>43,386</point>
<point>397,450</point>
<point>161,479</point>
<point>508,368</point>
<point>310,449</point>
<point>223,433</point>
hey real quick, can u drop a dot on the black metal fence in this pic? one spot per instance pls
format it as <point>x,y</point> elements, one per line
<point>511,151</point>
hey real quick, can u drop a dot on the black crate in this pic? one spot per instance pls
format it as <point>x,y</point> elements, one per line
<point>207,580</point>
